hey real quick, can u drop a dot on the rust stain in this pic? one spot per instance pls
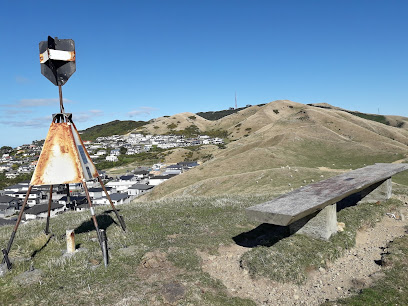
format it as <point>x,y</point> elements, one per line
<point>72,56</point>
<point>59,161</point>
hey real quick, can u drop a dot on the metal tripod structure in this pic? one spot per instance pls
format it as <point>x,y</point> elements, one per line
<point>63,128</point>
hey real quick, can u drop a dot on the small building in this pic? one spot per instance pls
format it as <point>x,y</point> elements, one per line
<point>33,198</point>
<point>41,211</point>
<point>98,192</point>
<point>8,206</point>
<point>140,174</point>
<point>188,165</point>
<point>138,189</point>
<point>117,199</point>
<point>112,158</point>
<point>120,186</point>
<point>158,179</point>
<point>128,178</point>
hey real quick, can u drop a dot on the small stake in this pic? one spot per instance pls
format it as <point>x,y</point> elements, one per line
<point>70,241</point>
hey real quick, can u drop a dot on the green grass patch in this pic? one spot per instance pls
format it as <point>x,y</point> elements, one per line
<point>372,117</point>
<point>115,127</point>
<point>337,156</point>
<point>177,228</point>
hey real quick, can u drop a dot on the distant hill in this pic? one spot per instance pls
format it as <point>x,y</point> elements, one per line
<point>266,143</point>
<point>215,115</point>
<point>116,127</point>
<point>396,121</point>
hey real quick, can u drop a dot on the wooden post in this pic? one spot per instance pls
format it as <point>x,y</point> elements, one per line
<point>70,241</point>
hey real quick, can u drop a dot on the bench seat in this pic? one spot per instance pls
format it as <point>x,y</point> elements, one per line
<point>310,199</point>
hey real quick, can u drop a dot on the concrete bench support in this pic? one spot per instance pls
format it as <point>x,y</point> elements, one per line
<point>382,193</point>
<point>320,225</point>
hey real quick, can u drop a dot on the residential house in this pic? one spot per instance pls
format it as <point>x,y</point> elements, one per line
<point>98,192</point>
<point>8,206</point>
<point>41,211</point>
<point>117,199</point>
<point>115,152</point>
<point>138,189</point>
<point>141,174</point>
<point>128,178</point>
<point>33,198</point>
<point>12,174</point>
<point>112,158</point>
<point>158,179</point>
<point>188,164</point>
<point>133,151</point>
<point>217,141</point>
<point>101,152</point>
<point>120,186</point>
<point>173,169</point>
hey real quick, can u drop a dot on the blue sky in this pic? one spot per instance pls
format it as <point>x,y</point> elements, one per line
<point>138,60</point>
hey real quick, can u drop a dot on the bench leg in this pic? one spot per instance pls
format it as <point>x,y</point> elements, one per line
<point>381,193</point>
<point>321,225</point>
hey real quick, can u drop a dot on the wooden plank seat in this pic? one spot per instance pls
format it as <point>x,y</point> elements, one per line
<point>303,205</point>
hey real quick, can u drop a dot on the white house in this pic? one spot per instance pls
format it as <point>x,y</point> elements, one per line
<point>115,152</point>
<point>33,198</point>
<point>112,158</point>
<point>138,189</point>
<point>117,199</point>
<point>120,186</point>
<point>156,180</point>
<point>99,192</point>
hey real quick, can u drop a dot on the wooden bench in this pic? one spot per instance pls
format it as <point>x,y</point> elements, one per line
<point>311,210</point>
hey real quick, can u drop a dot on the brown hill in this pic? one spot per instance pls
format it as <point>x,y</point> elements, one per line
<point>282,145</point>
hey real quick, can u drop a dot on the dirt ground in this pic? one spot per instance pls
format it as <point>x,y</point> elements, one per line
<point>357,269</point>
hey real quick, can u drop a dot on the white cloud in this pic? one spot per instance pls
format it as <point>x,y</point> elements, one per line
<point>143,110</point>
<point>86,116</point>
<point>27,105</point>
<point>29,123</point>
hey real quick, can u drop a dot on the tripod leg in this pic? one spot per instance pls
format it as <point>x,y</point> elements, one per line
<point>93,214</point>
<point>120,218</point>
<point>47,226</point>
<point>13,234</point>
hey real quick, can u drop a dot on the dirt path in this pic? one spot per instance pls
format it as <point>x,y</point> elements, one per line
<point>354,271</point>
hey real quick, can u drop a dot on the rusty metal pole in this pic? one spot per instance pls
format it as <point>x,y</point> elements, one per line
<point>93,214</point>
<point>120,218</point>
<point>47,225</point>
<point>105,248</point>
<point>68,196</point>
<point>13,234</point>
<point>61,100</point>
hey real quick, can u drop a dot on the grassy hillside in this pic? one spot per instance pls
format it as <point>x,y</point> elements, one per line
<point>396,121</point>
<point>115,127</point>
<point>313,142</point>
<point>157,261</point>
